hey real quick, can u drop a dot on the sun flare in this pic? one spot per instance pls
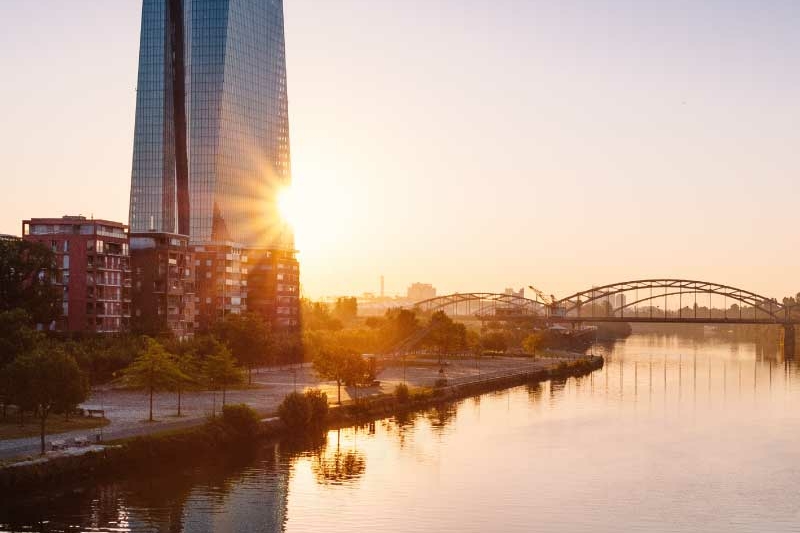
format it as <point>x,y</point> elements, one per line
<point>287,206</point>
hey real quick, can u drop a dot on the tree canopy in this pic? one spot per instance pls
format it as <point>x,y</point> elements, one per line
<point>445,335</point>
<point>154,370</point>
<point>220,370</point>
<point>27,275</point>
<point>47,379</point>
<point>248,338</point>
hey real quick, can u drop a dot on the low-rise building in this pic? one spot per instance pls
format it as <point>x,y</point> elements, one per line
<point>163,297</point>
<point>93,271</point>
<point>234,280</point>
<point>221,283</point>
<point>273,286</point>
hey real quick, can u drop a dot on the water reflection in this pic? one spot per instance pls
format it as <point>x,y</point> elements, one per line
<point>668,425</point>
<point>343,464</point>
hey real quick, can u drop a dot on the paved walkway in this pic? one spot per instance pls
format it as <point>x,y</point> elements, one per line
<point>127,411</point>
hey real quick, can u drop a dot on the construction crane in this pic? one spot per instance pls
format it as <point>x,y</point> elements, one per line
<point>549,302</point>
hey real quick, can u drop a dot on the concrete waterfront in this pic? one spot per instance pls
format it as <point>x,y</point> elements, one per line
<point>127,410</point>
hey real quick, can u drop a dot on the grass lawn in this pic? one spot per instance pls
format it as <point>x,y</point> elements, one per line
<point>10,429</point>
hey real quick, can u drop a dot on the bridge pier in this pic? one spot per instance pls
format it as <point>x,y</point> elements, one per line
<point>788,341</point>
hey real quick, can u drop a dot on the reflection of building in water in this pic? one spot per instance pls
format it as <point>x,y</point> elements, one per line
<point>255,500</point>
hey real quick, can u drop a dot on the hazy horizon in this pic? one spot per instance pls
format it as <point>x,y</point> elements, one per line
<point>469,145</point>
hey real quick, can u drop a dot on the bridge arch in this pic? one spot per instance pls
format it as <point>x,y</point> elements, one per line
<point>654,290</point>
<point>482,304</point>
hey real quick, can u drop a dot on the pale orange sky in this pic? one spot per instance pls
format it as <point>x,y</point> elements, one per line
<point>472,145</point>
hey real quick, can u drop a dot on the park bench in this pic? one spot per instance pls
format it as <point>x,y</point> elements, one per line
<point>100,412</point>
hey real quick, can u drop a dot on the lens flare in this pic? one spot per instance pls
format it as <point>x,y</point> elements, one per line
<point>287,206</point>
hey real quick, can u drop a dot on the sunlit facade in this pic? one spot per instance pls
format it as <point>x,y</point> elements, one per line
<point>236,116</point>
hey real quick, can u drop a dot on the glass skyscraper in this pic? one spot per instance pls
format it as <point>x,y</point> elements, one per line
<point>210,158</point>
<point>211,141</point>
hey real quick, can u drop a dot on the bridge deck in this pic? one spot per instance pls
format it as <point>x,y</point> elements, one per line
<point>672,320</point>
<point>639,319</point>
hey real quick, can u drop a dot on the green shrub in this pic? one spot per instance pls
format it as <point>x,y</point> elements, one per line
<point>401,393</point>
<point>318,404</point>
<point>303,411</point>
<point>241,419</point>
<point>295,411</point>
<point>421,395</point>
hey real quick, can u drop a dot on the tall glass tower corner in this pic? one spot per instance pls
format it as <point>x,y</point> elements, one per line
<point>211,141</point>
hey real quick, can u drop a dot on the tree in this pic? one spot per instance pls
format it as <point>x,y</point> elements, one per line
<point>27,275</point>
<point>16,335</point>
<point>330,364</point>
<point>346,309</point>
<point>495,342</point>
<point>47,379</point>
<point>154,370</point>
<point>220,370</point>
<point>248,338</point>
<point>288,347</point>
<point>316,316</point>
<point>357,371</point>
<point>103,356</point>
<point>398,325</point>
<point>531,342</point>
<point>334,361</point>
<point>187,364</point>
<point>17,338</point>
<point>444,335</point>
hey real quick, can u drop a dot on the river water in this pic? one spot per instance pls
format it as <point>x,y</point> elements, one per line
<point>676,433</point>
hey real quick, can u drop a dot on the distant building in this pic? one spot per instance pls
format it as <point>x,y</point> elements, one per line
<point>421,291</point>
<point>511,292</point>
<point>93,263</point>
<point>163,298</point>
<point>619,301</point>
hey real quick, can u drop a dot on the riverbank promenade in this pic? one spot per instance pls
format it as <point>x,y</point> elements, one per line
<point>127,410</point>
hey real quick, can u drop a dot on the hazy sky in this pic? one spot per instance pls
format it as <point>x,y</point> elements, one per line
<point>474,145</point>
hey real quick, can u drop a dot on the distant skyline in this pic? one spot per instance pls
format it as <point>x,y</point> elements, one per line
<point>467,144</point>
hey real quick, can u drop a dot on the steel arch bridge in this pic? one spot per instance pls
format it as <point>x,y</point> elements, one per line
<point>640,301</point>
<point>482,304</point>
<point>760,309</point>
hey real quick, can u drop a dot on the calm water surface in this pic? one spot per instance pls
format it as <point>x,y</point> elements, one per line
<point>674,434</point>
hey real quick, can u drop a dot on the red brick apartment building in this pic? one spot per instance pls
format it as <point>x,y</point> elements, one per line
<point>93,270</point>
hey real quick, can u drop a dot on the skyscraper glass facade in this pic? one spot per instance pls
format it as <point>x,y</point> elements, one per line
<point>236,112</point>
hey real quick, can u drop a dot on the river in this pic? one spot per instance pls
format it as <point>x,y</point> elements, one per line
<point>676,433</point>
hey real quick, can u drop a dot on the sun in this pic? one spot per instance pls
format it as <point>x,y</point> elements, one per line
<point>288,206</point>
